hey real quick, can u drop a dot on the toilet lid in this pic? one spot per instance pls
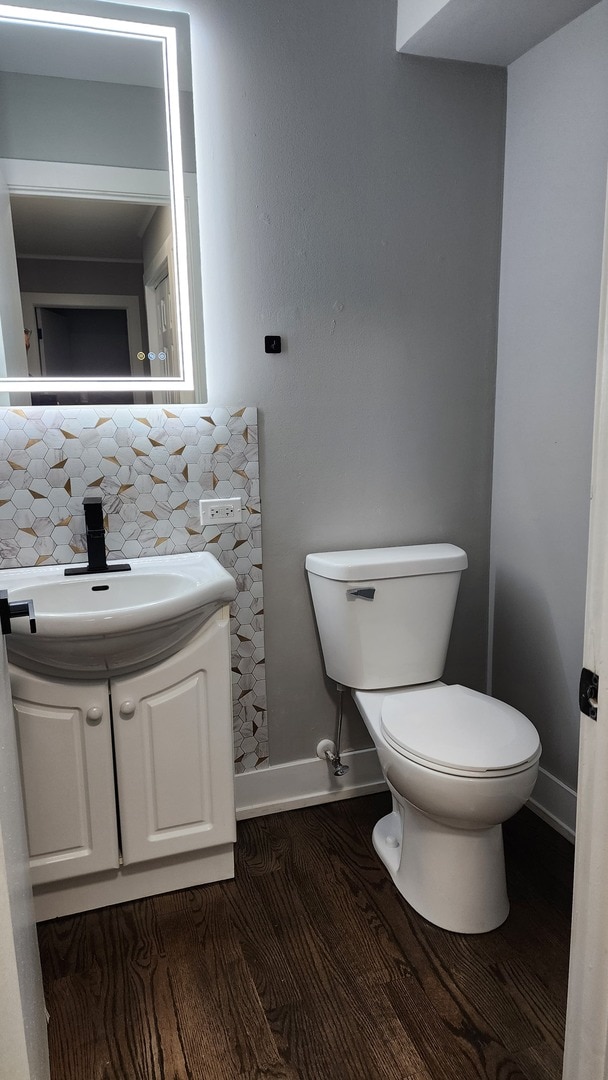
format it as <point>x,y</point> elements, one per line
<point>458,728</point>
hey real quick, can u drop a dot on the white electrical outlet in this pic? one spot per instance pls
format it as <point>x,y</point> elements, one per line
<point>220,511</point>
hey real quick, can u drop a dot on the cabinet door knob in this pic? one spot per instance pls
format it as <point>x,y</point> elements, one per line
<point>94,714</point>
<point>127,709</point>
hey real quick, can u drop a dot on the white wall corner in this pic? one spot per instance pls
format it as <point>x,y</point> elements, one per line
<point>306,783</point>
<point>412,15</point>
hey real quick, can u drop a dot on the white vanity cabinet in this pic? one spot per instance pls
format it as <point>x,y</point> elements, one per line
<point>128,783</point>
<point>174,761</point>
<point>65,750</point>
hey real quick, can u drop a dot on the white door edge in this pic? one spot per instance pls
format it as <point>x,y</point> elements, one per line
<point>586,1046</point>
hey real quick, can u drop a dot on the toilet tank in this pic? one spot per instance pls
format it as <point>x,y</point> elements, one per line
<point>384,615</point>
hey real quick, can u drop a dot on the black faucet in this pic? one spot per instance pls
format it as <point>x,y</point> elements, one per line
<point>96,541</point>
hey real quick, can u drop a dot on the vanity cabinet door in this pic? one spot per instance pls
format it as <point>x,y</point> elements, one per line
<point>65,753</point>
<point>174,760</point>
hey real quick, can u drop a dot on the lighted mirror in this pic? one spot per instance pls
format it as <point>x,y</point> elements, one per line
<point>99,249</point>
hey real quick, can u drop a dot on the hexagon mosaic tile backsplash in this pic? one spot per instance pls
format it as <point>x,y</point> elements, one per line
<point>151,465</point>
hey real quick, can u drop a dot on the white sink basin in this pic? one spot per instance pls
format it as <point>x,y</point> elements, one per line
<point>112,623</point>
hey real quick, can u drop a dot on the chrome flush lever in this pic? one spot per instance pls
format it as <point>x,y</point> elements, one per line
<point>14,609</point>
<point>360,594</point>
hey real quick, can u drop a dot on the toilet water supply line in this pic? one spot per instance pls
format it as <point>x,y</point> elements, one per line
<point>333,755</point>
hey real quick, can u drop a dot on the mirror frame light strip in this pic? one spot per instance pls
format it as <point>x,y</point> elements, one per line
<point>166,36</point>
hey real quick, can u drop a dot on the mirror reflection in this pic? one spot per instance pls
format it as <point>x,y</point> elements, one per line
<point>99,284</point>
<point>95,281</point>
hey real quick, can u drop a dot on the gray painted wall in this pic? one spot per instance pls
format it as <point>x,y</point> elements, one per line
<point>75,276</point>
<point>350,201</point>
<point>555,185</point>
<point>109,123</point>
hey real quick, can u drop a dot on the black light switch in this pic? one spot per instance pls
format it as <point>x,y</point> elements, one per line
<point>272,343</point>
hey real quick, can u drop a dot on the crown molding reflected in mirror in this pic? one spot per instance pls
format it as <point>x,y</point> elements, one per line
<point>103,49</point>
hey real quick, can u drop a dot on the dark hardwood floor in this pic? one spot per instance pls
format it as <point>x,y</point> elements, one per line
<point>309,965</point>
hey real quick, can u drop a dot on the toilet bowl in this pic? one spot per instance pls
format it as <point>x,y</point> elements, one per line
<point>442,842</point>
<point>457,762</point>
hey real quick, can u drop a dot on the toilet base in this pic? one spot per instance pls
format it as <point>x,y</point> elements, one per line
<point>455,878</point>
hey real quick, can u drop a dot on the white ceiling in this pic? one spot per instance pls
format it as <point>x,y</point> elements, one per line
<point>79,228</point>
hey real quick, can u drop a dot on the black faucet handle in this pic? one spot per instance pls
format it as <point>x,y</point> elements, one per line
<point>93,514</point>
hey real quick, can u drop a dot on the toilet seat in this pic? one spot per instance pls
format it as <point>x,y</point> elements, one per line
<point>460,731</point>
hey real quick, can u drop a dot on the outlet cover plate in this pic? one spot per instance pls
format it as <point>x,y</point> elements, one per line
<point>220,511</point>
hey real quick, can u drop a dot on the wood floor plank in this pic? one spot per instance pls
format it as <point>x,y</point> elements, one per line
<point>310,966</point>
<point>544,856</point>
<point>538,934</point>
<point>312,976</point>
<point>534,999</point>
<point>271,953</point>
<point>351,877</point>
<point>223,1020</point>
<point>227,1035</point>
<point>450,1050</point>
<point>473,972</point>
<point>318,1037</point>
<point>541,1062</point>
<point>67,944</point>
<point>263,847</point>
<point>72,1027</point>
<point>118,1015</point>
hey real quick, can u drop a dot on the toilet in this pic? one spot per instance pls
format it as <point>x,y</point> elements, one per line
<point>457,762</point>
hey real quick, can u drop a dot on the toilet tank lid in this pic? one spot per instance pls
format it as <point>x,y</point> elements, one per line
<point>372,564</point>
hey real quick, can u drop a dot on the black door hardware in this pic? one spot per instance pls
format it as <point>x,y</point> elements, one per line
<point>15,609</point>
<point>588,692</point>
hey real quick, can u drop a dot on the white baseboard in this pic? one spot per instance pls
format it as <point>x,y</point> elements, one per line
<point>555,803</point>
<point>306,783</point>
